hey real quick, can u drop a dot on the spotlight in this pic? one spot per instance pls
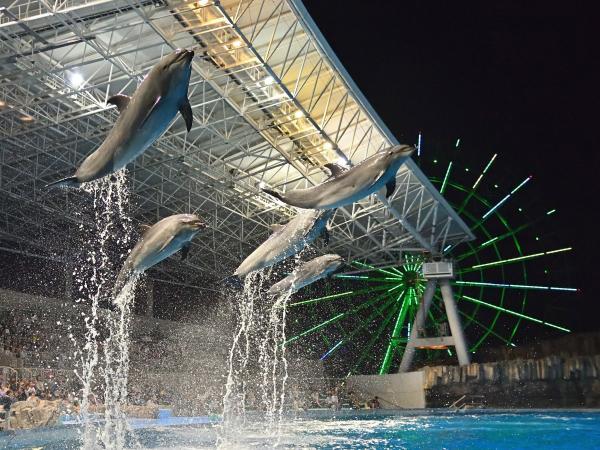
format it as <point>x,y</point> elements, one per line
<point>327,146</point>
<point>262,185</point>
<point>2,104</point>
<point>298,114</point>
<point>76,79</point>
<point>269,80</point>
<point>202,2</point>
<point>25,118</point>
<point>237,43</point>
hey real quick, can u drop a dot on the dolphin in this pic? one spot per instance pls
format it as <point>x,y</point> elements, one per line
<point>307,273</point>
<point>159,241</point>
<point>143,118</point>
<point>348,186</point>
<point>286,240</point>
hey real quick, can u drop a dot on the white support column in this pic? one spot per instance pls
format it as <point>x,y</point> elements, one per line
<point>460,344</point>
<point>409,351</point>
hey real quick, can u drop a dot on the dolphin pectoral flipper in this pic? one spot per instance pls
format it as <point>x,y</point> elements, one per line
<point>64,183</point>
<point>186,111</point>
<point>273,193</point>
<point>185,250</point>
<point>326,236</point>
<point>335,169</point>
<point>120,101</point>
<point>390,187</point>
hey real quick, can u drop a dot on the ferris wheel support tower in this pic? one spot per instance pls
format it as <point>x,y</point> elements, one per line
<point>436,273</point>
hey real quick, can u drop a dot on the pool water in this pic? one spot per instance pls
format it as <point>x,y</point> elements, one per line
<point>365,430</point>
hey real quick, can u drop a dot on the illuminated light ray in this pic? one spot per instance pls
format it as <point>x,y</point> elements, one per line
<point>485,327</point>
<point>519,258</point>
<point>330,351</point>
<point>506,197</point>
<point>388,280</point>
<point>489,241</point>
<point>516,286</point>
<point>342,294</point>
<point>457,143</point>
<point>552,211</point>
<point>419,145</point>
<point>514,313</point>
<point>481,175</point>
<point>494,240</point>
<point>371,342</point>
<point>491,331</point>
<point>352,277</point>
<point>471,193</point>
<point>336,318</point>
<point>355,263</point>
<point>363,324</point>
<point>397,271</point>
<point>446,178</point>
<point>387,359</point>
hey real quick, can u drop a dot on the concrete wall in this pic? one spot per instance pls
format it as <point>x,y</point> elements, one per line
<point>399,390</point>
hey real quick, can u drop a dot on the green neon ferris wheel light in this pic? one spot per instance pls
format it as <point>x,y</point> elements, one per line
<point>372,319</point>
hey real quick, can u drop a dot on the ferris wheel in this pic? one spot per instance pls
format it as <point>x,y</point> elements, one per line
<point>507,272</point>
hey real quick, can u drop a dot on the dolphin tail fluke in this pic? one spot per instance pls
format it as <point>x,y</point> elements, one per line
<point>64,183</point>
<point>273,193</point>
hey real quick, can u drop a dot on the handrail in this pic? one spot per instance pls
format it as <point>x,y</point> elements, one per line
<point>453,405</point>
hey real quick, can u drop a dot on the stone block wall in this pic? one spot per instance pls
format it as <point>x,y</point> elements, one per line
<point>550,382</point>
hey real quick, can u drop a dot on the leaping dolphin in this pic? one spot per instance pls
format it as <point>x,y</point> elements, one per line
<point>161,240</point>
<point>143,118</point>
<point>286,240</point>
<point>307,273</point>
<point>348,186</point>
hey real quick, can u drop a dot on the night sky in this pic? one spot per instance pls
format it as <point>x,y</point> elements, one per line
<point>504,77</point>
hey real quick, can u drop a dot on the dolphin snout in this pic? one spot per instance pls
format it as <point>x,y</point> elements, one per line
<point>183,54</point>
<point>406,150</point>
<point>199,224</point>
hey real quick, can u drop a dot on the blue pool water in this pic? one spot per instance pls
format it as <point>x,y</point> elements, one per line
<point>363,430</point>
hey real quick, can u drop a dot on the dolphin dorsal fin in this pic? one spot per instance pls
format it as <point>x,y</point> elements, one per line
<point>142,228</point>
<point>335,169</point>
<point>276,227</point>
<point>120,101</point>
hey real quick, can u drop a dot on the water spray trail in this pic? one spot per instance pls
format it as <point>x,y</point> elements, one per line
<point>116,369</point>
<point>113,227</point>
<point>234,400</point>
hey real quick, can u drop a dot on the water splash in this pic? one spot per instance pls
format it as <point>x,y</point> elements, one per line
<point>257,363</point>
<point>116,369</point>
<point>107,237</point>
<point>273,364</point>
<point>234,400</point>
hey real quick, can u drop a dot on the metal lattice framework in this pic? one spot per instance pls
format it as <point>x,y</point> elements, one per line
<point>271,105</point>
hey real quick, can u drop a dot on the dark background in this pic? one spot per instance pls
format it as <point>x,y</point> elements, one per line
<point>513,78</point>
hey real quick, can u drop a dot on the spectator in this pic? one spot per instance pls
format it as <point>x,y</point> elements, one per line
<point>334,400</point>
<point>315,400</point>
<point>374,403</point>
<point>5,398</point>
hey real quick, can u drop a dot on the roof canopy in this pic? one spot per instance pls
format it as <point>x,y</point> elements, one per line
<point>271,102</point>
